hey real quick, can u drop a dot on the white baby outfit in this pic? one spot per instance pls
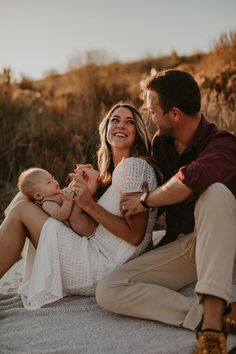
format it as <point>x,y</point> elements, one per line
<point>66,263</point>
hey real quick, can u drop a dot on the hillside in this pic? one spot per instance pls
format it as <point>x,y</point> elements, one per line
<point>53,122</point>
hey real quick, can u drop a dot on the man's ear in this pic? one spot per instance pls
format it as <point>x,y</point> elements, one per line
<point>38,196</point>
<point>176,114</point>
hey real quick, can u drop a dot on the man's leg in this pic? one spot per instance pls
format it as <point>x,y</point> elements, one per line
<point>146,287</point>
<point>215,222</point>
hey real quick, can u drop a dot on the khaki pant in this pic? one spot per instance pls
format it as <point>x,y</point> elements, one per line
<point>147,286</point>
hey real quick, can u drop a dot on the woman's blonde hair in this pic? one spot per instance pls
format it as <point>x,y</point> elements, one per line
<point>141,148</point>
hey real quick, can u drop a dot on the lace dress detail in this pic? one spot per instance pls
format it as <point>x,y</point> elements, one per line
<point>66,263</point>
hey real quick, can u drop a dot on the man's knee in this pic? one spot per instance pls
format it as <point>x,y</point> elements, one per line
<point>105,294</point>
<point>217,195</point>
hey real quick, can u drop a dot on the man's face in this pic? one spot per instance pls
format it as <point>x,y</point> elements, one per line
<point>160,119</point>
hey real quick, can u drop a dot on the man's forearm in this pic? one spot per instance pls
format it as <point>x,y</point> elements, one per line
<point>171,192</point>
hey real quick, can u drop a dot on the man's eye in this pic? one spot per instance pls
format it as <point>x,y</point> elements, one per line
<point>151,113</point>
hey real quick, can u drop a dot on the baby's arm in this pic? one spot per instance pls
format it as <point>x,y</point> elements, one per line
<point>59,212</point>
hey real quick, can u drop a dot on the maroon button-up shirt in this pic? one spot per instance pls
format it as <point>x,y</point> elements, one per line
<point>210,158</point>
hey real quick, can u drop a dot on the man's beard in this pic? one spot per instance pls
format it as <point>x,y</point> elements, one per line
<point>167,133</point>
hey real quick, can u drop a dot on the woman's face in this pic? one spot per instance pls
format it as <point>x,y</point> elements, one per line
<point>121,129</point>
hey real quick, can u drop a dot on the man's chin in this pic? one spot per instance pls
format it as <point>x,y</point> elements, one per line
<point>164,133</point>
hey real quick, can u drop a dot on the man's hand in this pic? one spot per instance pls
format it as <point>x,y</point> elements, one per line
<point>130,202</point>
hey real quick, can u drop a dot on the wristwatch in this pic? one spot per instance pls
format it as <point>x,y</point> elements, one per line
<point>143,200</point>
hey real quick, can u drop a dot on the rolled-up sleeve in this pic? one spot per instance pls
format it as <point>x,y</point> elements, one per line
<point>216,163</point>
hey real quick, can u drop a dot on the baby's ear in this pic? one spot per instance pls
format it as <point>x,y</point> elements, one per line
<point>38,196</point>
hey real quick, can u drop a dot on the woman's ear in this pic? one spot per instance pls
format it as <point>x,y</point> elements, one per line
<point>38,196</point>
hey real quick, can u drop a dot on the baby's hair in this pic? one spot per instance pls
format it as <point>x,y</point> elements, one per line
<point>27,181</point>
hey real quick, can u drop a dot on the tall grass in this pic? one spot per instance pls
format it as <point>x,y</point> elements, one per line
<point>52,123</point>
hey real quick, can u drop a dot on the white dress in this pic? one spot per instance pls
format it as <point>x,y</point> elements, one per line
<point>66,263</point>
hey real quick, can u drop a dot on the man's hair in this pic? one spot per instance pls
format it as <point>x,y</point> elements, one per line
<point>175,88</point>
<point>27,181</point>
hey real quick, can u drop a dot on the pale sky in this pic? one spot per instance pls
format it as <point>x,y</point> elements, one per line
<point>39,35</point>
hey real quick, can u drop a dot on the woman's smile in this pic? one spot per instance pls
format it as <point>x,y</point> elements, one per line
<point>121,130</point>
<point>120,135</point>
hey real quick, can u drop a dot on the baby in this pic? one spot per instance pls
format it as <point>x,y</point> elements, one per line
<point>40,186</point>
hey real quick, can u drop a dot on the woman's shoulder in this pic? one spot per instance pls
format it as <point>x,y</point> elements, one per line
<point>134,165</point>
<point>131,172</point>
<point>133,162</point>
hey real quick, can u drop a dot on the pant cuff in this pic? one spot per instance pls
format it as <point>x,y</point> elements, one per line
<point>213,289</point>
<point>194,316</point>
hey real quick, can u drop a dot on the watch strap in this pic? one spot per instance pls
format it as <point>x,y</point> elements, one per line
<point>143,200</point>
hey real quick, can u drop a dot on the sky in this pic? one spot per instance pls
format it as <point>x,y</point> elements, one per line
<point>37,36</point>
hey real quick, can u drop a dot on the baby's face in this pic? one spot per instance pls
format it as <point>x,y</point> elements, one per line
<point>46,185</point>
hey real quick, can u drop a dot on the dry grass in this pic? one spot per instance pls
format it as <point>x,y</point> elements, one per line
<point>52,123</point>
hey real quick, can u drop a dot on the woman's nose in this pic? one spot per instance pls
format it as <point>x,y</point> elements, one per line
<point>121,124</point>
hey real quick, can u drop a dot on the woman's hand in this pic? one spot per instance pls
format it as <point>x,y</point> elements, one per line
<point>89,174</point>
<point>82,195</point>
<point>80,167</point>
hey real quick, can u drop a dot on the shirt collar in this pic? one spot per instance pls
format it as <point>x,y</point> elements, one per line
<point>200,133</point>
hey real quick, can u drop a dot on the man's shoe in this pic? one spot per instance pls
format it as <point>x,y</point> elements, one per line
<point>230,320</point>
<point>211,342</point>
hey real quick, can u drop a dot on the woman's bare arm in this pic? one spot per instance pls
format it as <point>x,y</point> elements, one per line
<point>131,229</point>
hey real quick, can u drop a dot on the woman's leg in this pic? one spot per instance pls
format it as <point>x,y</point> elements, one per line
<point>25,219</point>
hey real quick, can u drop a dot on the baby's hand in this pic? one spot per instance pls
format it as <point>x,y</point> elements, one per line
<point>68,193</point>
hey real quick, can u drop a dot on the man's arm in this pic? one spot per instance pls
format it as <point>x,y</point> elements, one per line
<point>171,192</point>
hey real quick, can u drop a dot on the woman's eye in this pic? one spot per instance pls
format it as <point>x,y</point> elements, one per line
<point>130,122</point>
<point>114,120</point>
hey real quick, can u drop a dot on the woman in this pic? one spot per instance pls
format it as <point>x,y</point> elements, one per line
<point>65,263</point>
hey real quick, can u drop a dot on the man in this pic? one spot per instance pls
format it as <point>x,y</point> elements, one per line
<point>199,166</point>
